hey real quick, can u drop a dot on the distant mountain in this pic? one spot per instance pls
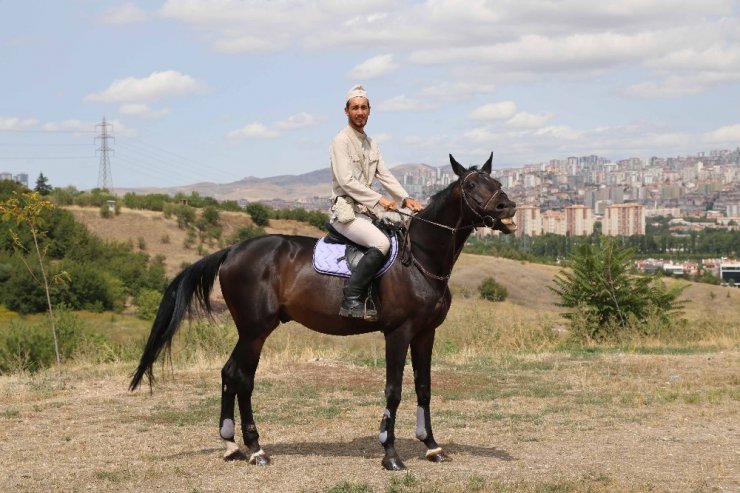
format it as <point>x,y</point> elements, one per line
<point>284,187</point>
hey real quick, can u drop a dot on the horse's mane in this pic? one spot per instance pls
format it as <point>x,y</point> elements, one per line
<point>437,201</point>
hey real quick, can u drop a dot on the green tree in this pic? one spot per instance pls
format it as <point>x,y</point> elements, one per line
<point>42,185</point>
<point>601,292</point>
<point>259,213</point>
<point>26,209</point>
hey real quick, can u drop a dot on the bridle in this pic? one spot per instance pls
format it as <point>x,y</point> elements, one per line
<point>466,199</point>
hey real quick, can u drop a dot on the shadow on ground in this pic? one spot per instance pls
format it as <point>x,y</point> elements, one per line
<point>365,447</point>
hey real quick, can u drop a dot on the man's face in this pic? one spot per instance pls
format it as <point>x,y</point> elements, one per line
<point>357,111</point>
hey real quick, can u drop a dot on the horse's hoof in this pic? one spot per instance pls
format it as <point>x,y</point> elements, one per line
<point>438,456</point>
<point>393,464</point>
<point>232,451</point>
<point>259,459</point>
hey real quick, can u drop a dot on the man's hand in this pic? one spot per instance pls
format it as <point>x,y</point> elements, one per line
<point>412,204</point>
<point>387,204</point>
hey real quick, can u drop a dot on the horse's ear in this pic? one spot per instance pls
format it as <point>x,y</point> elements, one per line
<point>487,167</point>
<point>458,168</point>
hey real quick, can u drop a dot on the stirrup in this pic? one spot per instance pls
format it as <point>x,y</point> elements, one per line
<point>359,309</point>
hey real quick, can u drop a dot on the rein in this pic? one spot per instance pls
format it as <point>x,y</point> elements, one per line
<point>463,198</point>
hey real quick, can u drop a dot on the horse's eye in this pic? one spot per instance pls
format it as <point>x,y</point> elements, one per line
<point>470,185</point>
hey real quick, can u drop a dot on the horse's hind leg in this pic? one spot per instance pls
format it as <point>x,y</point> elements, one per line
<point>421,358</point>
<point>227,427</point>
<point>396,348</point>
<point>246,357</point>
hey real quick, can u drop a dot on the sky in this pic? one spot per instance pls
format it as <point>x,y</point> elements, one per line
<point>219,90</point>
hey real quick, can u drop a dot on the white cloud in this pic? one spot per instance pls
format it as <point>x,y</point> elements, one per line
<point>14,123</point>
<point>528,120</point>
<point>681,85</point>
<point>727,135</point>
<point>404,104</point>
<point>69,125</point>
<point>299,120</point>
<point>116,127</point>
<point>560,131</point>
<point>126,13</point>
<point>142,111</point>
<point>456,90</point>
<point>494,111</point>
<point>254,131</point>
<point>373,67</point>
<point>158,85</point>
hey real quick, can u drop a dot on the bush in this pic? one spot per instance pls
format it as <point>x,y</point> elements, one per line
<point>246,233</point>
<point>30,348</point>
<point>608,300</point>
<point>259,213</point>
<point>490,290</point>
<point>147,303</point>
<point>105,212</point>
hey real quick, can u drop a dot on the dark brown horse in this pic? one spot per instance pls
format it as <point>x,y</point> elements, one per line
<point>270,279</point>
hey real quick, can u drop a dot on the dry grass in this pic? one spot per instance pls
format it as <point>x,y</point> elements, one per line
<point>163,237</point>
<point>524,423</point>
<point>517,410</point>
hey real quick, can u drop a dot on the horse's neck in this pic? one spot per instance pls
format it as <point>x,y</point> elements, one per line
<point>437,247</point>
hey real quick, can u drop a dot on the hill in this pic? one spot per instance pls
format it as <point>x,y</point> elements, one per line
<point>316,183</point>
<point>527,283</point>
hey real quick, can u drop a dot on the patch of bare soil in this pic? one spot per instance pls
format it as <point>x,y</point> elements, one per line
<point>615,422</point>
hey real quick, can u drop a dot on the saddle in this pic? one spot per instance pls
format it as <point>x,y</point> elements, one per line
<point>337,255</point>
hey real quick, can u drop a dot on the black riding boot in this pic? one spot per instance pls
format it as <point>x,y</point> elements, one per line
<point>355,293</point>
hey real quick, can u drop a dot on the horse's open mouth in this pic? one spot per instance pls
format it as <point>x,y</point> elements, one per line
<point>506,225</point>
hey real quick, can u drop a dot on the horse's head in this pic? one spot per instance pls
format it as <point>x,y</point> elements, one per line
<point>486,202</point>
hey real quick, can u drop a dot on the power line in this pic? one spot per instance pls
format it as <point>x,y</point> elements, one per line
<point>36,131</point>
<point>23,158</point>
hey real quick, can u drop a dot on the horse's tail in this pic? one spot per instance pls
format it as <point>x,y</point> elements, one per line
<point>197,280</point>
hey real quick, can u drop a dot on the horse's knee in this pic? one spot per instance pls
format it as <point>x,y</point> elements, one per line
<point>423,395</point>
<point>393,396</point>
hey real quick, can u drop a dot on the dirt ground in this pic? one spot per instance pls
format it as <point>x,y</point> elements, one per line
<point>528,423</point>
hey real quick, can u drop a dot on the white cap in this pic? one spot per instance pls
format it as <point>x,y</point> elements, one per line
<point>357,92</point>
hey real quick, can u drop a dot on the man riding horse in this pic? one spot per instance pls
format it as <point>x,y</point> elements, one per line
<point>355,163</point>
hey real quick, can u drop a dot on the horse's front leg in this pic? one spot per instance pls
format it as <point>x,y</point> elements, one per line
<point>396,348</point>
<point>421,359</point>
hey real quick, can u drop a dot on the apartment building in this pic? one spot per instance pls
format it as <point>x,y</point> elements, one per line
<point>579,220</point>
<point>554,222</point>
<point>528,220</point>
<point>624,219</point>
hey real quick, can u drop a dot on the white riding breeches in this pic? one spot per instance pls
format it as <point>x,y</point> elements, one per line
<point>362,231</point>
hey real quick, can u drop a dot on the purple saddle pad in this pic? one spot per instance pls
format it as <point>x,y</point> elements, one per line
<point>328,258</point>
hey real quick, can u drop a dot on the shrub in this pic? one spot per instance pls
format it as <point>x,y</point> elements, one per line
<point>246,233</point>
<point>105,212</point>
<point>259,213</point>
<point>147,303</point>
<point>490,290</point>
<point>606,299</point>
<point>25,347</point>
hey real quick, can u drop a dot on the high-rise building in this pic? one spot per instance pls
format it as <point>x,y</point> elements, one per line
<point>528,221</point>
<point>554,222</point>
<point>624,220</point>
<point>579,220</point>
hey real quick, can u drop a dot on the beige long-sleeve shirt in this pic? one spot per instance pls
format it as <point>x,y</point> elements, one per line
<point>355,163</point>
